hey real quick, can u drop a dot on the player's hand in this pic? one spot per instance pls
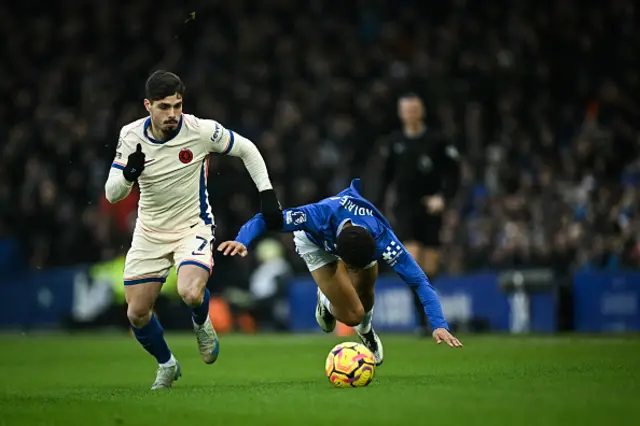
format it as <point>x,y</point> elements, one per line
<point>231,248</point>
<point>434,203</point>
<point>271,210</point>
<point>135,165</point>
<point>442,335</point>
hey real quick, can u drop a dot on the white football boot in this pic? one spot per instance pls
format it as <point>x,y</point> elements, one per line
<point>208,343</point>
<point>373,342</point>
<point>166,376</point>
<point>324,318</point>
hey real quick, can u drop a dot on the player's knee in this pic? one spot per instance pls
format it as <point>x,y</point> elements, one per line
<point>365,290</point>
<point>192,295</point>
<point>138,316</point>
<point>354,316</point>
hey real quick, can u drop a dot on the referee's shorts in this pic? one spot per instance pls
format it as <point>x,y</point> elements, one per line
<point>415,224</point>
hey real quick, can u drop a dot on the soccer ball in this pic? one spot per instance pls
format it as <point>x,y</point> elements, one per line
<point>350,364</point>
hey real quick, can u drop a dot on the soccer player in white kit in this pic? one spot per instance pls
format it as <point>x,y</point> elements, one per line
<point>167,153</point>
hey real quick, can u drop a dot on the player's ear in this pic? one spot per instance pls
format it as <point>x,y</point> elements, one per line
<point>147,105</point>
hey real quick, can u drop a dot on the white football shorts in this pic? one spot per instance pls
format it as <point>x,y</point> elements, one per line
<point>315,257</point>
<point>152,253</point>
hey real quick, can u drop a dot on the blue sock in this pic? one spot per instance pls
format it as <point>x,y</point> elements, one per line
<point>151,337</point>
<point>200,313</point>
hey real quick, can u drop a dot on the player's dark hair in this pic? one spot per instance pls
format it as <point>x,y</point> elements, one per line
<point>356,246</point>
<point>161,84</point>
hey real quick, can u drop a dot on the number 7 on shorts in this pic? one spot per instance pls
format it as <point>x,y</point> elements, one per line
<point>198,251</point>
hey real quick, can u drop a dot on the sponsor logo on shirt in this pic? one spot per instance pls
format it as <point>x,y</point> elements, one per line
<point>217,133</point>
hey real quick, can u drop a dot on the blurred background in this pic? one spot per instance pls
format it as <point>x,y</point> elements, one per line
<point>539,97</point>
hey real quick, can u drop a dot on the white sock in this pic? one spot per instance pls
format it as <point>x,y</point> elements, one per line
<point>172,361</point>
<point>325,301</point>
<point>365,325</point>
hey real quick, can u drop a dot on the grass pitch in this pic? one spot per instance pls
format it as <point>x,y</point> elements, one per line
<point>95,380</point>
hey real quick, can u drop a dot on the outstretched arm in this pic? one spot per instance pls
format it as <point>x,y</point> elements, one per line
<point>251,230</point>
<point>228,142</point>
<point>295,219</point>
<point>393,252</point>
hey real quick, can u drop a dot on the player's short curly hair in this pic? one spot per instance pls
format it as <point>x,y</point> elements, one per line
<point>161,84</point>
<point>356,247</point>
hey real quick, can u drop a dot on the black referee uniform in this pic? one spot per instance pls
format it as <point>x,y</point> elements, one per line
<point>420,166</point>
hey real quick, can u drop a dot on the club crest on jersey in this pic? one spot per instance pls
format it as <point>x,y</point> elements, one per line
<point>295,217</point>
<point>185,156</point>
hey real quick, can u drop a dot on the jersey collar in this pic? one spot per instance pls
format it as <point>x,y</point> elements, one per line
<point>344,221</point>
<point>147,123</point>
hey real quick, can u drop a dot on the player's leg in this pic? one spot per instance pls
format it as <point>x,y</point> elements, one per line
<point>194,260</point>
<point>146,327</point>
<point>145,271</point>
<point>336,296</point>
<point>337,293</point>
<point>192,288</point>
<point>363,281</point>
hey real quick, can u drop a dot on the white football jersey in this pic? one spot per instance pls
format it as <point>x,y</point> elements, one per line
<point>173,185</point>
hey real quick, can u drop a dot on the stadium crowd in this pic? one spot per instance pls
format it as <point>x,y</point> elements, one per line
<point>537,95</point>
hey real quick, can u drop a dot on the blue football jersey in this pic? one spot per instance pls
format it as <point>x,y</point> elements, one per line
<point>323,221</point>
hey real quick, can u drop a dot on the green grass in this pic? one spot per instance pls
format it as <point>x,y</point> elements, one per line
<point>279,380</point>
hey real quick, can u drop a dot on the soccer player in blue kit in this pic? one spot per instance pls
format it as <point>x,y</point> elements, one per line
<point>341,239</point>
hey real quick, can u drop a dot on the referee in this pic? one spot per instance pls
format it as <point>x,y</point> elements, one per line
<point>423,167</point>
